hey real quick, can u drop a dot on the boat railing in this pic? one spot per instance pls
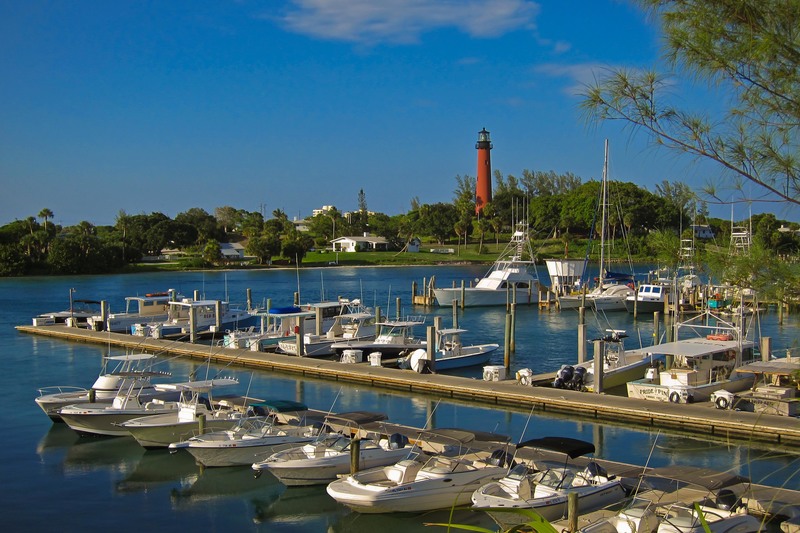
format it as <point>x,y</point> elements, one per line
<point>60,389</point>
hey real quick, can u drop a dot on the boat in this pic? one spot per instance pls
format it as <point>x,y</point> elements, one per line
<point>649,298</point>
<point>450,353</point>
<point>699,365</point>
<point>253,437</point>
<point>102,391</point>
<point>419,483</point>
<point>202,315</point>
<point>79,311</point>
<point>355,324</point>
<point>545,486</point>
<point>321,461</point>
<point>612,288</point>
<point>396,339</point>
<point>198,410</point>
<point>619,366</point>
<point>774,391</point>
<point>566,279</point>
<point>102,419</point>
<point>683,499</point>
<point>150,308</point>
<point>512,278</point>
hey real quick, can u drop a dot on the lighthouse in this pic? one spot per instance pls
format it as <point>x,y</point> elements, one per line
<point>483,185</point>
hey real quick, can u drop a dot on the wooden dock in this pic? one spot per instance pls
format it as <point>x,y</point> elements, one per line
<point>694,418</point>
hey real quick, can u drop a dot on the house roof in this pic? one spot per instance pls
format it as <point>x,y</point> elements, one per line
<point>370,239</point>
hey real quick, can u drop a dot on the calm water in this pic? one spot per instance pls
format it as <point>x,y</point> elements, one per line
<point>54,479</point>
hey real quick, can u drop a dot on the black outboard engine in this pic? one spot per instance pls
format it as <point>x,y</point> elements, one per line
<point>563,377</point>
<point>576,383</point>
<point>501,458</point>
<point>596,471</point>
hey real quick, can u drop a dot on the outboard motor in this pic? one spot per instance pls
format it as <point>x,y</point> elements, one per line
<point>595,471</point>
<point>577,378</point>
<point>501,458</point>
<point>397,441</point>
<point>563,376</point>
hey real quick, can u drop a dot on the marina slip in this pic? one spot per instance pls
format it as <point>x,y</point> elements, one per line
<point>93,481</point>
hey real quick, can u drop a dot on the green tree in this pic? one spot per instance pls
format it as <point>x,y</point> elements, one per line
<point>437,220</point>
<point>45,214</point>
<point>264,246</point>
<point>746,48</point>
<point>212,253</point>
<point>295,245</point>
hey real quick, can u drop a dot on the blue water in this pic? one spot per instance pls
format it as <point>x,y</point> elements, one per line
<point>52,479</point>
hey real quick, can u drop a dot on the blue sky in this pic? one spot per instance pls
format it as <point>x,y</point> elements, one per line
<point>147,106</point>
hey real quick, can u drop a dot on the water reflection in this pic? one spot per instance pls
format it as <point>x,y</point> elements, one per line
<point>228,482</point>
<point>114,454</point>
<point>156,468</point>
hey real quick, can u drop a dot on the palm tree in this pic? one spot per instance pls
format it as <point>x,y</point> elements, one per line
<point>45,214</point>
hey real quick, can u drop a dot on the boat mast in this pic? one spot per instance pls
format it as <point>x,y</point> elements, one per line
<point>603,216</point>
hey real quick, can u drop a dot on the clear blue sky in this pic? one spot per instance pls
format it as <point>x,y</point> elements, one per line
<point>163,106</point>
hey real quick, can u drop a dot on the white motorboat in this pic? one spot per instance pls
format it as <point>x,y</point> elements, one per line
<point>79,311</point>
<point>512,278</point>
<point>205,316</point>
<point>253,438</point>
<point>102,391</point>
<point>353,326</point>
<point>150,308</point>
<point>414,484</point>
<point>683,499</point>
<point>450,353</point>
<point>545,486</point>
<point>321,461</point>
<point>648,299</point>
<point>396,339</point>
<point>198,410</point>
<point>697,366</point>
<point>103,419</point>
<point>619,366</point>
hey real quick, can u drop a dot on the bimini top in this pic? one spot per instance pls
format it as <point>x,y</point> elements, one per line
<point>201,386</point>
<point>462,436</point>
<point>358,418</point>
<point>711,480</point>
<point>571,447</point>
<point>279,406</point>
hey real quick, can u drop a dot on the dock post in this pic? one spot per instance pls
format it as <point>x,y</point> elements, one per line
<point>103,315</point>
<point>512,343</point>
<point>572,512</point>
<point>506,347</point>
<point>201,423</point>
<point>414,289</point>
<point>463,294</point>
<point>581,334</point>
<point>317,321</point>
<point>355,453</point>
<point>296,298</point>
<point>455,314</point>
<point>398,308</point>
<point>218,315</point>
<point>196,295</point>
<point>656,324</point>
<point>599,348</point>
<point>192,324</point>
<point>431,347</point>
<point>299,335</point>
<point>249,293</point>
<point>766,348</point>
<point>92,395</point>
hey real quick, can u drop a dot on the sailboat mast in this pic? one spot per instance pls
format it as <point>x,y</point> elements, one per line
<point>603,215</point>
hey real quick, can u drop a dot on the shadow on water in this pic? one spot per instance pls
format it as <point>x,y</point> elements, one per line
<point>156,468</point>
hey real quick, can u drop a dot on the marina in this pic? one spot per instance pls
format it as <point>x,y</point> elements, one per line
<point>172,487</point>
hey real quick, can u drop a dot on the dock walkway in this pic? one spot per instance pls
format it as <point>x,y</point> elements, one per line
<point>695,418</point>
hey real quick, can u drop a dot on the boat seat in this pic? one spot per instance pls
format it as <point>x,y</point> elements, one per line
<point>404,471</point>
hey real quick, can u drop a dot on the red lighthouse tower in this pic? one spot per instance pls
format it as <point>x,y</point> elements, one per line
<point>483,185</point>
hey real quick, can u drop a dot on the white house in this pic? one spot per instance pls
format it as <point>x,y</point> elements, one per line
<point>231,250</point>
<point>413,245</point>
<point>367,243</point>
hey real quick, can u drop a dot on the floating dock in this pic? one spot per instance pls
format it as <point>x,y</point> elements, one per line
<point>694,418</point>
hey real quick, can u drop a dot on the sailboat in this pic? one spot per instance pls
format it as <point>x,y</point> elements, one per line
<point>612,287</point>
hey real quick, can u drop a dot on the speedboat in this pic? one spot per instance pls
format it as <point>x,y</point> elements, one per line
<point>252,438</point>
<point>197,411</point>
<point>396,339</point>
<point>649,298</point>
<point>80,310</point>
<point>104,419</point>
<point>619,366</point>
<point>103,390</point>
<point>450,353</point>
<point>414,484</point>
<point>512,277</point>
<point>150,308</point>
<point>545,486</point>
<point>321,461</point>
<point>683,499</point>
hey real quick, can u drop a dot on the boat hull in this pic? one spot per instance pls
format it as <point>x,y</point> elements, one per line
<point>474,297</point>
<point>645,390</point>
<point>159,434</point>
<point>103,422</point>
<point>323,471</point>
<point>241,453</point>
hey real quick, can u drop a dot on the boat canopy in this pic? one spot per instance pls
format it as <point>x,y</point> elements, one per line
<point>131,357</point>
<point>571,447</point>
<point>203,385</point>
<point>357,418</point>
<point>711,480</point>
<point>776,368</point>
<point>279,406</point>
